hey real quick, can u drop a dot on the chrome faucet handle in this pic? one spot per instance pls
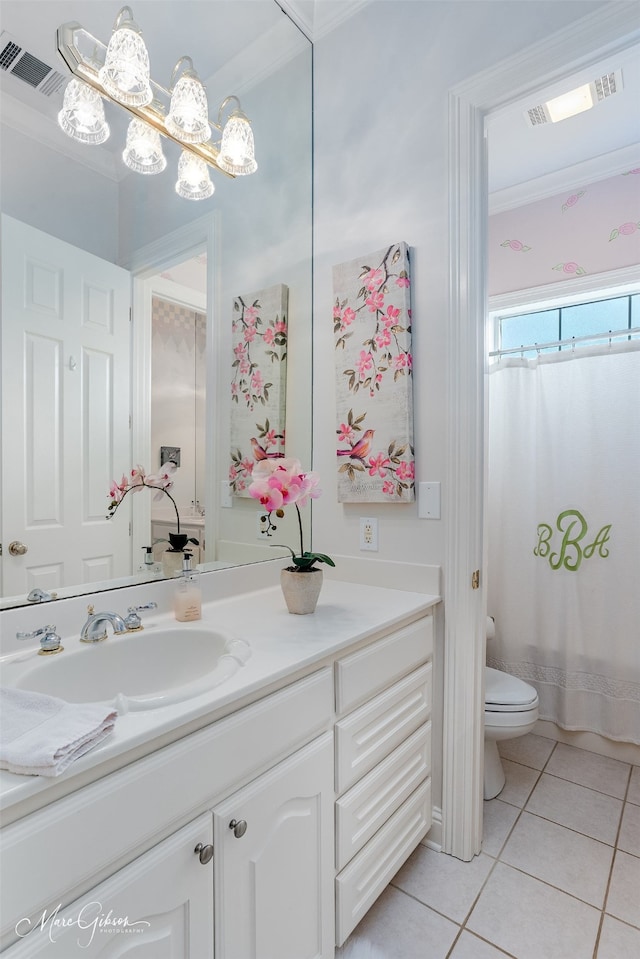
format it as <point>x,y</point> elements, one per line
<point>38,595</point>
<point>49,639</point>
<point>132,621</point>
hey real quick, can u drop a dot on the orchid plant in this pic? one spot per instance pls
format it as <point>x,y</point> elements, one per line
<point>137,480</point>
<point>281,482</point>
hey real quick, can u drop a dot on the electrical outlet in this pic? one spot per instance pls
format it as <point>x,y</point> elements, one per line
<point>369,533</point>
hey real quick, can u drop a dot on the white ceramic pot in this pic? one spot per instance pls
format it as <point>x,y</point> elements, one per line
<point>301,589</point>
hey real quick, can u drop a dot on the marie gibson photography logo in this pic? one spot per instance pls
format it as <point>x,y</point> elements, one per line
<point>91,919</point>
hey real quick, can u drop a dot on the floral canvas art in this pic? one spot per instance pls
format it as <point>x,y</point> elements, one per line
<point>258,382</point>
<point>372,331</point>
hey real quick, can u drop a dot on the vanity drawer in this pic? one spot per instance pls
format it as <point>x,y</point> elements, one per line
<point>360,884</point>
<point>370,669</point>
<point>374,730</point>
<point>368,804</point>
<point>183,780</point>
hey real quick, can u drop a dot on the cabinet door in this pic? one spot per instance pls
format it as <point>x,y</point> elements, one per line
<point>273,882</point>
<point>158,907</point>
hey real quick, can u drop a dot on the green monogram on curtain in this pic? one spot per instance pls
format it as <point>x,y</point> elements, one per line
<point>573,527</point>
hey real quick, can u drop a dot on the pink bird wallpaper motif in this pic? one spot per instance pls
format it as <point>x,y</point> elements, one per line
<point>258,382</point>
<point>372,330</point>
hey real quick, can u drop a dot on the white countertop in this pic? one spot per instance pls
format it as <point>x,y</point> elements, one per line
<point>281,646</point>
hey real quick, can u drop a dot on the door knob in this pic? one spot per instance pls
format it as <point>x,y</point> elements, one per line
<point>17,549</point>
<point>239,827</point>
<point>205,853</point>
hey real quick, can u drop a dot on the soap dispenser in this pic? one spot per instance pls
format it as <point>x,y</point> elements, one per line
<point>188,596</point>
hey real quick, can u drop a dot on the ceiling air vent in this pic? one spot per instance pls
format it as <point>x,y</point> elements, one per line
<point>588,95</point>
<point>14,59</point>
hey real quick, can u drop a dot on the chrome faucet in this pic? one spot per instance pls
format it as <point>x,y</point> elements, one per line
<point>49,639</point>
<point>95,628</point>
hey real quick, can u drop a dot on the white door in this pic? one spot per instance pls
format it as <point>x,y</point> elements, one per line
<point>158,907</point>
<point>274,879</point>
<point>65,411</point>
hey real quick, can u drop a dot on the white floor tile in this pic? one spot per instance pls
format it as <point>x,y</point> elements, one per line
<point>589,769</point>
<point>530,750</point>
<point>629,838</point>
<point>469,946</point>
<point>497,822</point>
<point>398,927</point>
<point>617,940</point>
<point>563,858</point>
<point>634,786</point>
<point>448,885</point>
<point>623,900</point>
<point>520,780</point>
<point>531,920</point>
<point>568,804</point>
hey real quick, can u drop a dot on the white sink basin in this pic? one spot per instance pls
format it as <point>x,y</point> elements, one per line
<point>141,670</point>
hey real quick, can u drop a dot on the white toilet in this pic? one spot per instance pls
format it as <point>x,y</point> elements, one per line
<point>510,710</point>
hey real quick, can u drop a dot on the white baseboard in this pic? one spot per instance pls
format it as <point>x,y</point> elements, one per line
<point>593,742</point>
<point>433,839</point>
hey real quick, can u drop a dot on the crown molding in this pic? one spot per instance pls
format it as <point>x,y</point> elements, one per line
<point>570,178</point>
<point>317,18</point>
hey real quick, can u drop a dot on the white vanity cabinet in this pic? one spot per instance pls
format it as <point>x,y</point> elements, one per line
<point>312,797</point>
<point>273,860</point>
<point>383,765</point>
<point>159,905</point>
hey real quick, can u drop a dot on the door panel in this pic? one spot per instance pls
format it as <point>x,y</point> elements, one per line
<point>65,411</point>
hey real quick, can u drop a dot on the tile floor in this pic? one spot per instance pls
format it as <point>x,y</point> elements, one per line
<point>558,876</point>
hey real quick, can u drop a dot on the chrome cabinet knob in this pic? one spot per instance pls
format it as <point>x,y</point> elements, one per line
<point>239,827</point>
<point>17,549</point>
<point>205,853</point>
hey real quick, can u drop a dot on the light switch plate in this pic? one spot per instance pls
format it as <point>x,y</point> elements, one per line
<point>429,500</point>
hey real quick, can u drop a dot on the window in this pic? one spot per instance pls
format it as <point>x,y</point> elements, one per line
<point>572,326</point>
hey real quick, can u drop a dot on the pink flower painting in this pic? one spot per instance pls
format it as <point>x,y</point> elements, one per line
<point>570,268</point>
<point>516,245</point>
<point>626,229</point>
<point>572,200</point>
<point>258,382</point>
<point>372,330</point>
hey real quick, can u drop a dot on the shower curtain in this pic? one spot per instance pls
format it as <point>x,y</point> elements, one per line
<point>564,533</point>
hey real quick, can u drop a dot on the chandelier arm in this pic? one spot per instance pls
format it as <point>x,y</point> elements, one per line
<point>174,72</point>
<point>120,15</point>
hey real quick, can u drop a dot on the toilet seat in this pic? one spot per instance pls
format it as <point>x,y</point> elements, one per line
<point>507,694</point>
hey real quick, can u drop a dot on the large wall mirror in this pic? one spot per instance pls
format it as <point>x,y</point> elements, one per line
<point>76,416</point>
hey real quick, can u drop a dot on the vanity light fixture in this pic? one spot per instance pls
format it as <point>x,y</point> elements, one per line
<point>119,72</point>
<point>143,152</point>
<point>82,114</point>
<point>125,73</point>
<point>237,154</point>
<point>194,182</point>
<point>188,118</point>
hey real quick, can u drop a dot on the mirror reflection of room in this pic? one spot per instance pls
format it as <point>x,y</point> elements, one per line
<point>82,198</point>
<point>178,402</point>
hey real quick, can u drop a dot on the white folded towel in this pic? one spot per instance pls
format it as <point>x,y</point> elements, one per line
<point>41,735</point>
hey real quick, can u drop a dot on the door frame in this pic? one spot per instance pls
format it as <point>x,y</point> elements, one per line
<point>196,237</point>
<point>608,32</point>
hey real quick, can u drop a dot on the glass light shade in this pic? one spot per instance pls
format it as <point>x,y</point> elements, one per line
<point>194,182</point>
<point>237,149</point>
<point>125,74</point>
<point>82,114</point>
<point>188,116</point>
<point>143,152</point>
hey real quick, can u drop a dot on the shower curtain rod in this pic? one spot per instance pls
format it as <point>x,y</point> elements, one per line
<point>629,331</point>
